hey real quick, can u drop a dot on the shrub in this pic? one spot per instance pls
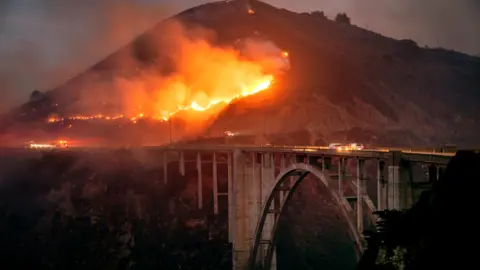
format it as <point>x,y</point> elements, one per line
<point>342,18</point>
<point>318,13</point>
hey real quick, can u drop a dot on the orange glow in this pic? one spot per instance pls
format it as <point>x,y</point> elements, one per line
<point>54,119</point>
<point>251,11</point>
<point>258,84</point>
<point>57,144</point>
<point>263,83</point>
<point>206,79</point>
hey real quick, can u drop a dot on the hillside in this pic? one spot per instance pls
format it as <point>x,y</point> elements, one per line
<point>345,83</point>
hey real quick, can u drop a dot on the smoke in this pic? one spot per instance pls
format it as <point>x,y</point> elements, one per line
<point>265,52</point>
<point>445,23</point>
<point>190,69</point>
<point>45,42</point>
<point>184,67</point>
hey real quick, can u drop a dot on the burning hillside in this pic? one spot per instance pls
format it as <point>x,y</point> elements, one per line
<point>206,78</point>
<point>192,77</point>
<point>344,83</point>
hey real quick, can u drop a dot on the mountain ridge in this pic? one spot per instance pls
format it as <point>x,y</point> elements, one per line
<point>343,79</point>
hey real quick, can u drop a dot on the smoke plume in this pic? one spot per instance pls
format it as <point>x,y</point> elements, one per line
<point>189,71</point>
<point>171,67</point>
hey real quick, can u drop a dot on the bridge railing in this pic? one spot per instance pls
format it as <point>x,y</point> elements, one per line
<point>304,148</point>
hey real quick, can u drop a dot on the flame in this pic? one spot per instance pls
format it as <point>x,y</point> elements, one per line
<point>251,11</point>
<point>206,79</point>
<point>57,144</point>
<point>264,84</point>
<point>249,83</point>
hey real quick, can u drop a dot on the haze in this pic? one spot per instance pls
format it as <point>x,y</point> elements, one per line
<point>45,42</point>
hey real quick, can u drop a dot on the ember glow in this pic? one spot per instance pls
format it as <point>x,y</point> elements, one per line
<point>57,144</point>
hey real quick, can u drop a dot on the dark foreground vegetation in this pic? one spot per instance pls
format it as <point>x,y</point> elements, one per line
<point>64,211</point>
<point>109,211</point>
<point>437,232</point>
<point>112,210</point>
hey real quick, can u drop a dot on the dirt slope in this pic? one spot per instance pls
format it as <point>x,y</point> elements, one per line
<point>344,77</point>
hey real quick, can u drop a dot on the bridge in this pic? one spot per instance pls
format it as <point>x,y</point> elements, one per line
<point>262,179</point>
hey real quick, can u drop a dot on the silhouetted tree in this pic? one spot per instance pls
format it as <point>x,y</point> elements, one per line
<point>408,43</point>
<point>435,231</point>
<point>318,13</point>
<point>342,18</point>
<point>36,95</point>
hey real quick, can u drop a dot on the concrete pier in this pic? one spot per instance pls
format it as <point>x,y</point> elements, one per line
<point>381,186</point>
<point>360,192</point>
<point>399,180</point>
<point>181,163</point>
<point>341,175</point>
<point>267,182</point>
<point>253,180</point>
<point>165,167</point>
<point>199,181</point>
<point>215,184</point>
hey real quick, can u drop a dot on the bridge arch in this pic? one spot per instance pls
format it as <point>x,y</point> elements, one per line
<point>299,171</point>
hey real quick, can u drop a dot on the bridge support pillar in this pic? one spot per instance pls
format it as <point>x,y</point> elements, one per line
<point>327,163</point>
<point>435,172</point>
<point>399,179</point>
<point>432,173</point>
<point>215,184</point>
<point>181,164</point>
<point>199,181</point>
<point>381,187</point>
<point>240,226</point>
<point>165,167</point>
<point>252,184</point>
<point>341,175</point>
<point>267,183</point>
<point>282,167</point>
<point>231,199</point>
<point>253,180</point>
<point>291,179</point>
<point>360,193</point>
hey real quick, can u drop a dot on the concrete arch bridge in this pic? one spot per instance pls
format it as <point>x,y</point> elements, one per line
<point>261,181</point>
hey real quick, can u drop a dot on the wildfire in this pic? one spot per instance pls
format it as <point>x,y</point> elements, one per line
<point>56,119</point>
<point>166,115</point>
<point>207,78</point>
<point>57,144</point>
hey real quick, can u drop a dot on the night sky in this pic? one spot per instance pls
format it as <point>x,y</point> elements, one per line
<point>44,42</point>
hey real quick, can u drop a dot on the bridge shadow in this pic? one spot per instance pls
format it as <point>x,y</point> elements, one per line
<point>312,232</point>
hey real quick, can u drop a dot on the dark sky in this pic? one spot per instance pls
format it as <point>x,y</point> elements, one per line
<point>44,42</point>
